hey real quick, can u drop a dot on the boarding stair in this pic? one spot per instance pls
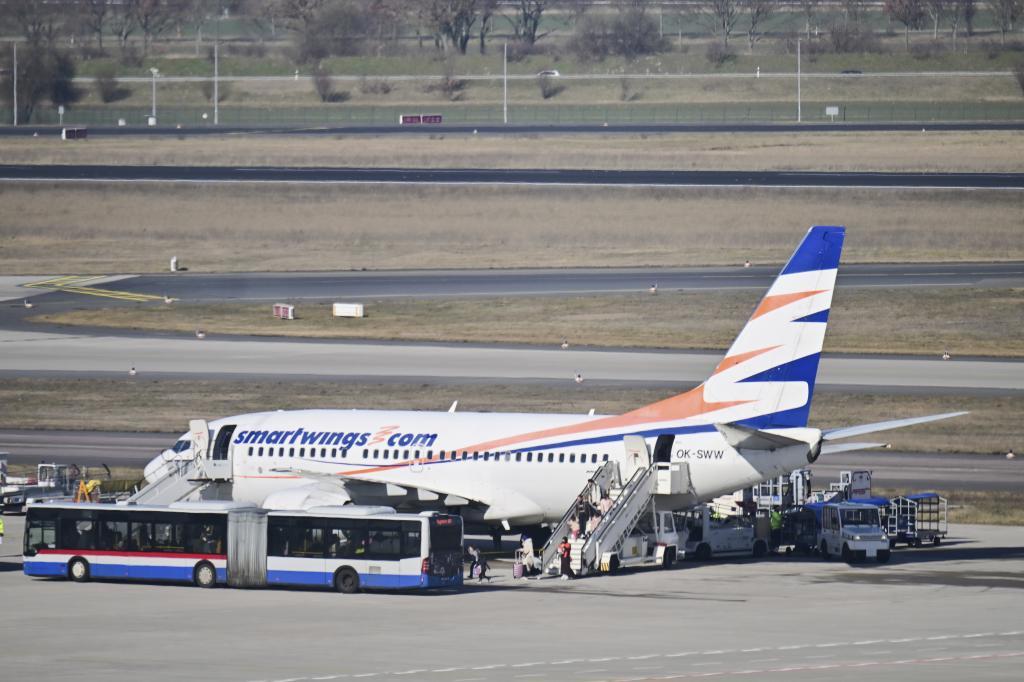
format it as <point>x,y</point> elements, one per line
<point>605,479</point>
<point>628,505</point>
<point>630,501</point>
<point>179,481</point>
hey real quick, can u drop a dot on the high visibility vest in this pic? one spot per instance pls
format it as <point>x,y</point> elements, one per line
<point>1,526</point>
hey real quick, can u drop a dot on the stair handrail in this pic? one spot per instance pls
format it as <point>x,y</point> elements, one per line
<point>177,469</point>
<point>611,519</point>
<point>600,479</point>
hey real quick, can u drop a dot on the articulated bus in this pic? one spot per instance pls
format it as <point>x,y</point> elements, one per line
<point>217,543</point>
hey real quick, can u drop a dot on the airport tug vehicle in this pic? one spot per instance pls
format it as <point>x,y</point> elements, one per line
<point>852,531</point>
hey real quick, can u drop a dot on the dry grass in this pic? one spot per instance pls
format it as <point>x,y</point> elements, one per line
<point>990,507</point>
<point>110,228</point>
<point>913,321</point>
<point>851,151</point>
<point>994,425</point>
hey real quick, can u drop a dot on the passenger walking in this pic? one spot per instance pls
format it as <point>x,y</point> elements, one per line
<point>565,552</point>
<point>474,560</point>
<point>482,563</point>
<point>529,559</point>
<point>582,512</point>
<point>605,504</point>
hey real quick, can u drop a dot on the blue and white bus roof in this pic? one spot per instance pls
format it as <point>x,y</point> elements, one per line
<point>203,507</point>
<point>349,511</point>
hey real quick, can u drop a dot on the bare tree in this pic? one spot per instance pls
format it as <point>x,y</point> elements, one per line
<point>452,21</point>
<point>757,11</point>
<point>122,21</point>
<point>94,17</point>
<point>908,12</point>
<point>38,22</point>
<point>808,7</point>
<point>154,17</point>
<point>487,9</point>
<point>937,11</point>
<point>1006,13</point>
<point>720,17</point>
<point>525,19</point>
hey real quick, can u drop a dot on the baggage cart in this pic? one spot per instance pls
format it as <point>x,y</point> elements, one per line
<point>917,519</point>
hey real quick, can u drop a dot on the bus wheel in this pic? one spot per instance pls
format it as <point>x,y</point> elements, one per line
<point>703,551</point>
<point>78,570</point>
<point>204,575</point>
<point>346,580</point>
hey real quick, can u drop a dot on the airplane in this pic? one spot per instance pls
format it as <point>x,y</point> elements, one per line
<point>745,424</point>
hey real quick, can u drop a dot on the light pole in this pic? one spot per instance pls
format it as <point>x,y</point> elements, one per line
<point>15,79</point>
<point>799,112</point>
<point>152,115</point>
<point>504,70</point>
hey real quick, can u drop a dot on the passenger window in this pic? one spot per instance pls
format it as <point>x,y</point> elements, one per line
<point>529,456</point>
<point>259,453</point>
<point>605,458</point>
<point>572,459</point>
<point>302,452</point>
<point>487,456</point>
<point>364,453</point>
<point>561,457</point>
<point>519,456</point>
<point>593,458</point>
<point>376,454</point>
<point>551,457</point>
<point>386,454</point>
<point>291,452</point>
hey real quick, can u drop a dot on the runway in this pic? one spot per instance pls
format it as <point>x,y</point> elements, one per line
<point>935,614</point>
<point>42,353</point>
<point>292,286</point>
<point>519,129</point>
<point>902,470</point>
<point>490,176</point>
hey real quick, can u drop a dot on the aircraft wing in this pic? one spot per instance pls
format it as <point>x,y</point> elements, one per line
<point>833,448</point>
<point>501,504</point>
<point>860,430</point>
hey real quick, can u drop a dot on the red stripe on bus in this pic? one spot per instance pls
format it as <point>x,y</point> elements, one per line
<point>155,555</point>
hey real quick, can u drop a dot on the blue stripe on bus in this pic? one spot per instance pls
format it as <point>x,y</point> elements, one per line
<point>123,571</point>
<point>371,580</point>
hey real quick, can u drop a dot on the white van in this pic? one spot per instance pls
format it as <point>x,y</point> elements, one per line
<point>853,532</point>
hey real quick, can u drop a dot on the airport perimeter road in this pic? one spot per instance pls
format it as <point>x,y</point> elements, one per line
<point>942,614</point>
<point>268,286</point>
<point>519,129</point>
<point>490,176</point>
<point>905,470</point>
<point>87,448</point>
<point>42,353</point>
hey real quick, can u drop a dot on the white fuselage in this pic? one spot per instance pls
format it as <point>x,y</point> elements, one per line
<point>421,459</point>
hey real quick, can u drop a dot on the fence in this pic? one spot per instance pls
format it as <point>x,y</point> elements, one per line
<point>768,112</point>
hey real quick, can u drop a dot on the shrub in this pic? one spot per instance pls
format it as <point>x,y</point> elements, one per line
<point>107,87</point>
<point>223,90</point>
<point>549,87</point>
<point>628,92</point>
<point>718,54</point>
<point>323,83</point>
<point>374,86</point>
<point>1018,73</point>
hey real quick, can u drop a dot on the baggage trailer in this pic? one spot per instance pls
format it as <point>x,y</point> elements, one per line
<point>917,519</point>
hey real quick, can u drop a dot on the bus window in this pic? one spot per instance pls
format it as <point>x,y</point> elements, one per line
<point>411,540</point>
<point>41,531</point>
<point>77,533</point>
<point>346,538</point>
<point>385,540</point>
<point>295,537</point>
<point>113,533</point>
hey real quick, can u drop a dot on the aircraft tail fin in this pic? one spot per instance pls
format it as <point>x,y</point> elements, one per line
<point>771,367</point>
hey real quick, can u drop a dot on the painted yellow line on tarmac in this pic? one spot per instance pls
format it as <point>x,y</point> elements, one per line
<point>73,285</point>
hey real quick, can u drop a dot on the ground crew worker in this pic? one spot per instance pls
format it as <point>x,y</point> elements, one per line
<point>565,551</point>
<point>1,530</point>
<point>775,518</point>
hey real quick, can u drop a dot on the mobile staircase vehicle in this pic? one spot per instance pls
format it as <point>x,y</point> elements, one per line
<point>204,475</point>
<point>633,532</point>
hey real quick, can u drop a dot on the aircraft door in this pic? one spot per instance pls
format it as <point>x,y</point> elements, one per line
<point>223,442</point>
<point>663,448</point>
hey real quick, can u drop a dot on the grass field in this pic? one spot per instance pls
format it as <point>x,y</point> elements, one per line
<point>991,507</point>
<point>913,321</point>
<point>109,228</point>
<point>994,425</point>
<point>849,151</point>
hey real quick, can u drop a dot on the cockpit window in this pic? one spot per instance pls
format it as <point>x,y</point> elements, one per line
<point>182,445</point>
